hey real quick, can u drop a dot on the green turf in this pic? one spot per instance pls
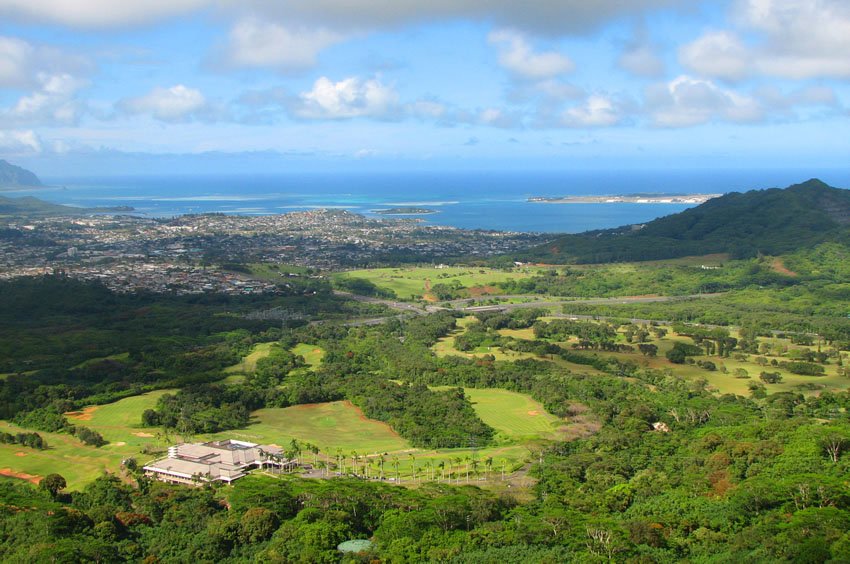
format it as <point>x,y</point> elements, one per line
<point>249,362</point>
<point>515,416</point>
<point>327,425</point>
<point>410,283</point>
<point>312,354</point>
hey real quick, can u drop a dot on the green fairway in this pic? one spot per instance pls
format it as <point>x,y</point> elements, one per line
<point>327,425</point>
<point>312,354</point>
<point>413,283</point>
<point>514,415</point>
<point>249,362</point>
<point>119,423</point>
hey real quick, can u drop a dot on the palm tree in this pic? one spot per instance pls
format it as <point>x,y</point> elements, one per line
<point>381,464</point>
<point>413,464</point>
<point>354,461</point>
<point>488,466</point>
<point>395,464</point>
<point>442,467</point>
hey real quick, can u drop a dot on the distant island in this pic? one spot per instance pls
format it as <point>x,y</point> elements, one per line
<point>29,206</point>
<point>12,176</point>
<point>648,198</point>
<point>405,211</point>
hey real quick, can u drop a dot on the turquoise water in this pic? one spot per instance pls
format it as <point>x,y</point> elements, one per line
<point>467,200</point>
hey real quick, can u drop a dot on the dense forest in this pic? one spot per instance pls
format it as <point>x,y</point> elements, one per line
<point>773,221</point>
<point>665,467</point>
<point>731,479</point>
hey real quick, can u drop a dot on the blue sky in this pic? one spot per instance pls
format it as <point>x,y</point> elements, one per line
<point>102,86</point>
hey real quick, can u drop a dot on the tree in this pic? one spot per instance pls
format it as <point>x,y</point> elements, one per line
<point>833,445</point>
<point>770,377</point>
<point>648,349</point>
<point>676,356</point>
<point>53,484</point>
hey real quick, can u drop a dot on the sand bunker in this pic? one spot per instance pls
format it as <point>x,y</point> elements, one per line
<point>143,435</point>
<point>84,415</point>
<point>8,472</point>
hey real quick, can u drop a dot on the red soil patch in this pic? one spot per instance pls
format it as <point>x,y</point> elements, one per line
<point>534,412</point>
<point>84,415</point>
<point>780,267</point>
<point>20,454</point>
<point>477,291</point>
<point>9,473</point>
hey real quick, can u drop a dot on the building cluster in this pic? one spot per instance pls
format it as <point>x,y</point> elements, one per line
<point>217,461</point>
<point>128,252</point>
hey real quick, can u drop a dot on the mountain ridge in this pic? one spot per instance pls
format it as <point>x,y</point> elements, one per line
<point>743,224</point>
<point>13,176</point>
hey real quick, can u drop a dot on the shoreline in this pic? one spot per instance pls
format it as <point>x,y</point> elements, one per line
<point>623,199</point>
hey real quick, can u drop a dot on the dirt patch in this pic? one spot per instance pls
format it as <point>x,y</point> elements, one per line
<point>478,291</point>
<point>317,351</point>
<point>121,443</point>
<point>9,473</point>
<point>778,266</point>
<point>143,435</point>
<point>84,415</point>
<point>20,454</point>
<point>534,412</point>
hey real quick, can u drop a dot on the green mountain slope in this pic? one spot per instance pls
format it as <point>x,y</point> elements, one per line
<point>770,221</point>
<point>12,176</point>
<point>29,206</point>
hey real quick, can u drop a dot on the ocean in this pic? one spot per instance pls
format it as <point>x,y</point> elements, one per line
<point>467,200</point>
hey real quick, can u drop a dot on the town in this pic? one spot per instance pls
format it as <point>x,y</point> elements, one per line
<point>184,255</point>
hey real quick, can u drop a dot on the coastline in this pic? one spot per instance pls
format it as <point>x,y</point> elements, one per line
<point>688,199</point>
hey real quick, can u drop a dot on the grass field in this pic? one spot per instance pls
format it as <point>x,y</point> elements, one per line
<point>327,425</point>
<point>445,346</point>
<point>312,354</point>
<point>412,283</point>
<point>516,417</point>
<point>333,427</point>
<point>249,362</point>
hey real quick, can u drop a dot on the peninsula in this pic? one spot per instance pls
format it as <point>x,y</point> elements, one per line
<point>405,211</point>
<point>648,198</point>
<point>12,176</point>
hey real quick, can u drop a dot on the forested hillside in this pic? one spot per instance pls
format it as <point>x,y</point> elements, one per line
<point>773,221</point>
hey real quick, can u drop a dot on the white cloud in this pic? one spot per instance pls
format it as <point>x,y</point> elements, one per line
<point>96,13</point>
<point>553,17</point>
<point>51,104</point>
<point>686,101</point>
<point>794,39</point>
<point>348,98</point>
<point>22,63</point>
<point>178,103</point>
<point>718,54</point>
<point>256,43</point>
<point>597,111</point>
<point>17,142</point>
<point>517,56</point>
<point>640,59</point>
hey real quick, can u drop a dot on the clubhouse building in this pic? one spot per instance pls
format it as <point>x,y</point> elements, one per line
<point>216,461</point>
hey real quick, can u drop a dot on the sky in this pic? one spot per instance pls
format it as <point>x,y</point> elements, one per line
<point>100,86</point>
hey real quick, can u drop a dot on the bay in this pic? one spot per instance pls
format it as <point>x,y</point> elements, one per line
<point>471,200</point>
